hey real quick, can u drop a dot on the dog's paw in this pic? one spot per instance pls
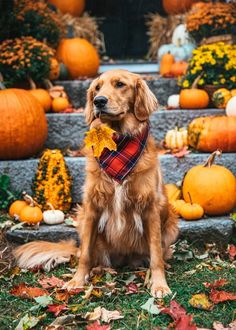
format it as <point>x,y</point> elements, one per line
<point>75,283</point>
<point>160,291</point>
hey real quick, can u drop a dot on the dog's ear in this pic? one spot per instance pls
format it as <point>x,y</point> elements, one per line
<point>89,114</point>
<point>145,101</point>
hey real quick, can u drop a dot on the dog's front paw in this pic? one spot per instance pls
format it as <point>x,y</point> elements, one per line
<point>160,291</point>
<point>75,283</point>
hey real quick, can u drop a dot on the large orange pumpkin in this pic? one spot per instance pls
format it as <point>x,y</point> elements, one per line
<point>211,186</point>
<point>193,98</point>
<point>43,97</point>
<point>23,128</point>
<point>173,7</point>
<point>73,7</point>
<point>214,132</point>
<point>79,56</point>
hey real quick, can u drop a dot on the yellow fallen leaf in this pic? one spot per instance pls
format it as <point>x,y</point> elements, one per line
<point>201,301</point>
<point>100,138</point>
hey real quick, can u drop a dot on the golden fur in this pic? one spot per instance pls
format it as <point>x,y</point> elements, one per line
<point>123,223</point>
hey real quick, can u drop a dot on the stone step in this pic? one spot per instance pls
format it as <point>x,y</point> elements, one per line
<point>23,171</point>
<point>67,130</point>
<point>161,87</point>
<point>217,229</point>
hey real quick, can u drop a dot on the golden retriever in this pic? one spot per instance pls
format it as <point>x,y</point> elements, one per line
<point>119,223</point>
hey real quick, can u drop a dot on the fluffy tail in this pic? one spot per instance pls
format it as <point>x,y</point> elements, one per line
<point>45,254</point>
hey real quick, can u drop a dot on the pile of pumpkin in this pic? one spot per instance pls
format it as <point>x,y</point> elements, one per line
<point>195,98</point>
<point>206,189</point>
<point>51,192</point>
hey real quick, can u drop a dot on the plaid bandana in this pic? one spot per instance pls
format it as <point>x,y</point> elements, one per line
<point>118,164</point>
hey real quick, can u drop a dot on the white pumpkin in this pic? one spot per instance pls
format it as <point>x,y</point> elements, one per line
<point>180,35</point>
<point>231,107</point>
<point>173,101</point>
<point>180,53</point>
<point>176,138</point>
<point>53,217</point>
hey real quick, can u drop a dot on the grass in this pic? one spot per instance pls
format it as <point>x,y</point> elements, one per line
<point>183,285</point>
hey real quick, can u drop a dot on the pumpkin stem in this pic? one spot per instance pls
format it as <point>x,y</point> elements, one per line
<point>48,83</point>
<point>28,199</point>
<point>190,198</point>
<point>194,84</point>
<point>31,82</point>
<point>211,158</point>
<point>51,206</point>
<point>1,82</point>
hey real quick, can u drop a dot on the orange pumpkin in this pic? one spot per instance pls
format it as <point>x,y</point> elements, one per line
<point>211,186</point>
<point>191,211</point>
<point>193,98</point>
<point>43,97</point>
<point>73,7</point>
<point>173,7</point>
<point>24,125</point>
<point>54,69</point>
<point>16,208</point>
<point>79,56</point>
<point>31,213</point>
<point>60,104</point>
<point>166,63</point>
<point>178,68</point>
<point>214,132</point>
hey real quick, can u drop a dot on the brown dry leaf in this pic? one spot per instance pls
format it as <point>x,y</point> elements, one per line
<point>88,292</point>
<point>99,138</point>
<point>201,301</point>
<point>217,296</point>
<point>216,284</point>
<point>101,313</point>
<point>51,282</point>
<point>62,295</point>
<point>24,291</point>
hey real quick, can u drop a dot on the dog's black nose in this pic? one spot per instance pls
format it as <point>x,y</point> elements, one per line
<point>100,101</point>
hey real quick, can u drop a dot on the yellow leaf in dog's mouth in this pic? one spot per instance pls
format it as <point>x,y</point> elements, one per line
<point>100,138</point>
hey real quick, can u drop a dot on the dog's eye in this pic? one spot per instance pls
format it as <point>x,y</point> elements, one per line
<point>119,84</point>
<point>97,88</point>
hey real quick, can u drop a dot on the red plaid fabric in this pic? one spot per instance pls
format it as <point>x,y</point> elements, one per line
<point>118,164</point>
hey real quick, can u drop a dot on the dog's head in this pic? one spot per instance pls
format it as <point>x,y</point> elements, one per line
<point>117,94</point>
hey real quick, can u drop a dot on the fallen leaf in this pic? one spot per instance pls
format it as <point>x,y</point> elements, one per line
<point>27,322</point>
<point>220,326</point>
<point>97,293</point>
<point>216,284</point>
<point>94,315</point>
<point>88,292</point>
<point>130,279</point>
<point>217,296</point>
<point>15,272</point>
<point>201,301</point>
<point>97,326</point>
<point>108,316</point>
<point>96,279</point>
<point>51,282</point>
<point>44,301</point>
<point>131,288</point>
<point>99,138</point>
<point>231,252</point>
<point>60,321</point>
<point>24,291</point>
<point>179,315</point>
<point>181,153</point>
<point>57,309</point>
<point>62,295</point>
<point>151,307</point>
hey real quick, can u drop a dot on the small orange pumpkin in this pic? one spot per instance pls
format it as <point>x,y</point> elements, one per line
<point>60,104</point>
<point>79,56</point>
<point>166,63</point>
<point>173,7</point>
<point>193,98</point>
<point>73,7</point>
<point>178,68</point>
<point>16,208</point>
<point>31,214</point>
<point>43,98</point>
<point>177,205</point>
<point>191,211</point>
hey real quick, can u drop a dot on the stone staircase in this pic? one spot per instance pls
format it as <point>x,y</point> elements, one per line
<point>67,130</point>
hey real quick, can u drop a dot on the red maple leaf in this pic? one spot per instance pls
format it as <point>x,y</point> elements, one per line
<point>179,315</point>
<point>51,282</point>
<point>217,296</point>
<point>216,284</point>
<point>97,326</point>
<point>24,291</point>
<point>57,309</point>
<point>131,288</point>
<point>231,252</point>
